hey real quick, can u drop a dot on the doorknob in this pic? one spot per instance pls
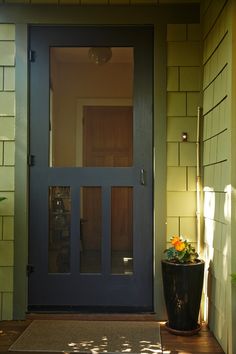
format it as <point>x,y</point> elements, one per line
<point>142,177</point>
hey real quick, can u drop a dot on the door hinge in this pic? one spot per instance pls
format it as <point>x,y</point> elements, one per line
<point>31,55</point>
<point>29,269</point>
<point>31,160</point>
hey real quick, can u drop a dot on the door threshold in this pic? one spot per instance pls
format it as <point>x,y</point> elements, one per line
<point>93,316</point>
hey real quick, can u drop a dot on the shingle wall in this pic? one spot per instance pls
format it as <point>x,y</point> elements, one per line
<point>183,98</point>
<point>216,149</point>
<point>7,157</point>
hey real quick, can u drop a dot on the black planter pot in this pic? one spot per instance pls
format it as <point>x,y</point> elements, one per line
<point>182,291</point>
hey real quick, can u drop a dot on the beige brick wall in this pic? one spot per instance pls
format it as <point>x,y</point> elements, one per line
<point>183,98</point>
<point>7,161</point>
<point>216,159</point>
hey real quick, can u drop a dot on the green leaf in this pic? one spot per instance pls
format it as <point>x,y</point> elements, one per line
<point>233,276</point>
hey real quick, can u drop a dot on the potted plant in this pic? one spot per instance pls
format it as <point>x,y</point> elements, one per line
<point>182,274</point>
<point>233,276</point>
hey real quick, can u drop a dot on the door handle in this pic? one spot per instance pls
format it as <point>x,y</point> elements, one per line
<point>142,177</point>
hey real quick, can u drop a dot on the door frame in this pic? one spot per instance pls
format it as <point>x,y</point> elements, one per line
<point>18,310</point>
<point>158,17</point>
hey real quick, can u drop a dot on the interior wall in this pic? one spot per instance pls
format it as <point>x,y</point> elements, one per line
<point>216,167</point>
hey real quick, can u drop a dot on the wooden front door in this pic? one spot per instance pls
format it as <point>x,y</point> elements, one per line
<point>91,211</point>
<point>108,142</point>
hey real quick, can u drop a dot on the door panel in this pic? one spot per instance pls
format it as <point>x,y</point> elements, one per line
<point>122,230</point>
<point>59,230</point>
<point>108,142</point>
<point>90,210</point>
<point>91,230</point>
<point>108,136</point>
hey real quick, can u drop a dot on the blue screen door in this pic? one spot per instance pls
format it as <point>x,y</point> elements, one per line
<point>91,175</point>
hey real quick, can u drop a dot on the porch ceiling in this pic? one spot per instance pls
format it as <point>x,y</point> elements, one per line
<point>99,2</point>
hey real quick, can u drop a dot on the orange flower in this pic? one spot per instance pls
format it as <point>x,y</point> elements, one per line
<point>181,251</point>
<point>174,240</point>
<point>179,246</point>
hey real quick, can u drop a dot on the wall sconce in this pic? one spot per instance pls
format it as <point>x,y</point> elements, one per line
<point>184,137</point>
<point>100,55</point>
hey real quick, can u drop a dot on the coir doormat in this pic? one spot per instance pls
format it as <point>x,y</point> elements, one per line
<point>90,336</point>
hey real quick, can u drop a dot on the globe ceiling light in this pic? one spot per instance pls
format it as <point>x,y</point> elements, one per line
<point>100,55</point>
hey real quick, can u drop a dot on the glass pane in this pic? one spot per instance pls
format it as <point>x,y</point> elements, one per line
<point>59,230</point>
<point>91,114</point>
<point>90,229</point>
<point>122,230</point>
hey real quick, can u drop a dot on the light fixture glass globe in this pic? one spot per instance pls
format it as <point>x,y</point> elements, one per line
<point>100,55</point>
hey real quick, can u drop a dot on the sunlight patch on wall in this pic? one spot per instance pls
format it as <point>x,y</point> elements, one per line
<point>227,203</point>
<point>209,203</point>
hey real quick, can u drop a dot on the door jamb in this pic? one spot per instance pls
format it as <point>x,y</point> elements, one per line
<point>20,281</point>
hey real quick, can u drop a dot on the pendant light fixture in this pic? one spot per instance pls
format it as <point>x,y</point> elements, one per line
<point>100,55</point>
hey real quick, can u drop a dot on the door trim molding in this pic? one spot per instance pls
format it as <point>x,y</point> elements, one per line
<point>160,156</point>
<point>20,282</point>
